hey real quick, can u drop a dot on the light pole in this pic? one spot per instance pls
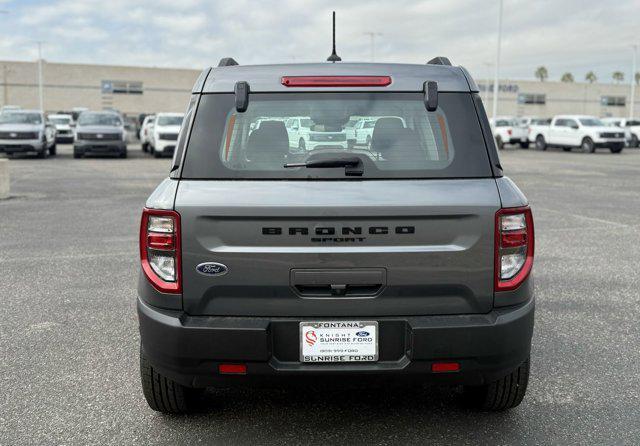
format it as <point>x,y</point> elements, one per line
<point>4,69</point>
<point>633,81</point>
<point>497,67</point>
<point>488,82</point>
<point>40,81</point>
<point>373,35</point>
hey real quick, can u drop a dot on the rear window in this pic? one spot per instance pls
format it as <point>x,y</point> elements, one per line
<point>398,138</point>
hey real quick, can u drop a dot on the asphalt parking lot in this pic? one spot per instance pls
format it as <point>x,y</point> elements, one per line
<point>69,339</point>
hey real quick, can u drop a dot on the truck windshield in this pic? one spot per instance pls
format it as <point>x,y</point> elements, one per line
<point>169,120</point>
<point>591,122</point>
<point>107,119</point>
<point>60,120</point>
<point>401,140</point>
<point>20,118</point>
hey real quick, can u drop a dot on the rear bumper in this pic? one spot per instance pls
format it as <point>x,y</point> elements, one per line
<point>189,349</point>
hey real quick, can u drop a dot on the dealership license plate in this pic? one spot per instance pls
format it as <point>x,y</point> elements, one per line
<point>339,341</point>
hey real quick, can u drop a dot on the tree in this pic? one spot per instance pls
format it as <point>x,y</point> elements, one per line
<point>590,77</point>
<point>618,76</point>
<point>541,73</point>
<point>567,77</point>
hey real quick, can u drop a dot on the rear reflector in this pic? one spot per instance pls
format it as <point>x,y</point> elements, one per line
<point>443,367</point>
<point>232,369</point>
<point>336,81</point>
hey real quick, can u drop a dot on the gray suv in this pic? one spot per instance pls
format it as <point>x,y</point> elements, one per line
<point>407,258</point>
<point>100,133</point>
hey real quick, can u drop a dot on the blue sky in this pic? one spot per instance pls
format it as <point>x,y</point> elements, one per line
<point>564,35</point>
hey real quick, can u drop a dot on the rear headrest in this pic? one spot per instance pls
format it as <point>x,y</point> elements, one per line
<point>270,142</point>
<point>385,132</point>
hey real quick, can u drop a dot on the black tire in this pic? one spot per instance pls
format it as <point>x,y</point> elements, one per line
<point>162,393</point>
<point>587,145</point>
<point>53,149</point>
<point>506,393</point>
<point>567,149</point>
<point>541,144</point>
<point>123,154</point>
<point>77,155</point>
<point>145,146</point>
<point>524,144</point>
<point>499,143</point>
<point>301,144</point>
<point>635,142</point>
<point>617,149</point>
<point>157,154</point>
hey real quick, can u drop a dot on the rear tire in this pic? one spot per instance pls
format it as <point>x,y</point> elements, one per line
<point>524,144</point>
<point>634,141</point>
<point>505,393</point>
<point>162,393</point>
<point>53,149</point>
<point>499,143</point>
<point>541,144</point>
<point>145,146</point>
<point>567,149</point>
<point>587,145</point>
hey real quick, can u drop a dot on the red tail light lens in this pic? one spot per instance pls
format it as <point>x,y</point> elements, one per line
<point>514,248</point>
<point>336,81</point>
<point>160,249</point>
<point>509,132</point>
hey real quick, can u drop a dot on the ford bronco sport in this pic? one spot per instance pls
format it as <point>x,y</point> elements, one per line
<point>409,257</point>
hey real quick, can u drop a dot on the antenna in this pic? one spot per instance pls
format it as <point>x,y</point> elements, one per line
<point>334,57</point>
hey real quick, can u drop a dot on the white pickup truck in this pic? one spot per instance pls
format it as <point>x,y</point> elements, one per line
<point>577,131</point>
<point>508,130</point>
<point>631,129</point>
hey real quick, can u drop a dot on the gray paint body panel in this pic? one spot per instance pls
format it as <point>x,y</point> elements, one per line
<point>267,78</point>
<point>445,266</point>
<point>164,195</point>
<point>510,194</point>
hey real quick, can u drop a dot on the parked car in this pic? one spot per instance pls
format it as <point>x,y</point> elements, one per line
<point>507,130</point>
<point>305,135</point>
<point>631,129</point>
<point>407,259</point>
<point>64,131</point>
<point>100,133</point>
<point>578,131</point>
<point>27,131</point>
<point>533,125</point>
<point>165,133</point>
<point>145,131</point>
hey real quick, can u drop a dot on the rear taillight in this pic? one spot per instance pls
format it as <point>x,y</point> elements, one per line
<point>509,132</point>
<point>514,246</point>
<point>160,249</point>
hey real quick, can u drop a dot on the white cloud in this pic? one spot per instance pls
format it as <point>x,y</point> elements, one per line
<point>568,35</point>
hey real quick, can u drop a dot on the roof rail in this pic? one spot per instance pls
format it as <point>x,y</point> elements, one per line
<point>227,62</point>
<point>439,61</point>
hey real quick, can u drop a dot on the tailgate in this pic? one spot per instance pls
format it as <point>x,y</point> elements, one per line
<point>338,248</point>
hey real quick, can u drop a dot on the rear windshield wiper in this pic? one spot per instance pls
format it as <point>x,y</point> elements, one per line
<point>352,166</point>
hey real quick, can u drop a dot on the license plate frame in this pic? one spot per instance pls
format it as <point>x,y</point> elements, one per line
<point>337,348</point>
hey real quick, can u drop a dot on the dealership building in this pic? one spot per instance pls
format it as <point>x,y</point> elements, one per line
<point>136,90</point>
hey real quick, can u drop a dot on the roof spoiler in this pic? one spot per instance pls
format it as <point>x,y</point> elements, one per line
<point>227,62</point>
<point>440,60</point>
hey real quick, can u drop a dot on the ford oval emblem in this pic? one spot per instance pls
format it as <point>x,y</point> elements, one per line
<point>362,334</point>
<point>212,269</point>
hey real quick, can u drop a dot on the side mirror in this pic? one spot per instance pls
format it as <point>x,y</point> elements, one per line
<point>431,95</point>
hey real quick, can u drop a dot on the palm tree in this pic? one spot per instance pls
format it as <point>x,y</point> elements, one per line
<point>566,77</point>
<point>590,77</point>
<point>618,76</point>
<point>541,73</point>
